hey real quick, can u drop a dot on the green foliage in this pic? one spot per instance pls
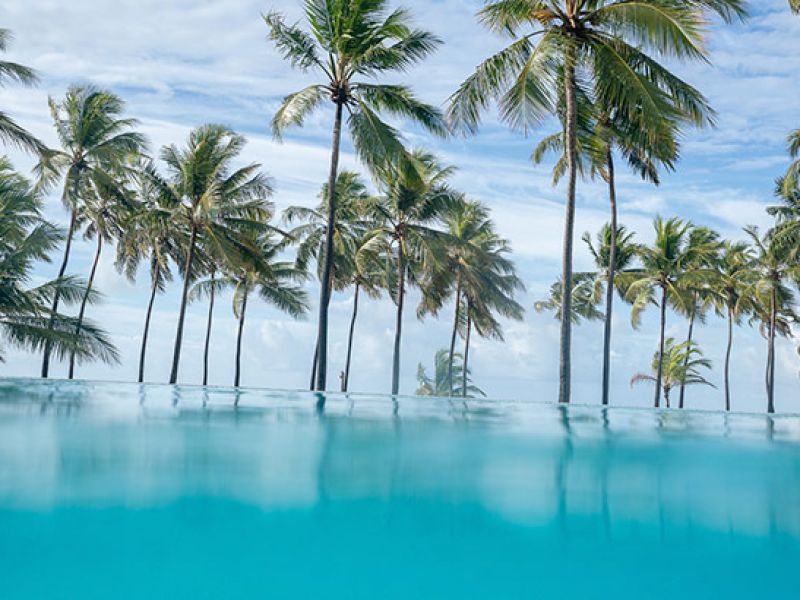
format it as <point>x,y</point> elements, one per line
<point>10,132</point>
<point>440,384</point>
<point>681,365</point>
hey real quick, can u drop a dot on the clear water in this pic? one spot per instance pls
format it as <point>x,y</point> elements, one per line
<point>125,491</point>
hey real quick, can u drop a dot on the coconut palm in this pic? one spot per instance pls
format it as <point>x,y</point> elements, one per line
<point>219,206</point>
<point>676,365</point>
<point>351,199</point>
<point>10,132</point>
<point>776,269</point>
<point>586,295</point>
<point>96,142</point>
<point>26,319</point>
<point>477,265</point>
<point>103,214</point>
<point>564,47</point>
<point>442,383</point>
<point>350,44</point>
<point>732,299</point>
<point>667,266</point>
<point>406,216</point>
<point>789,184</point>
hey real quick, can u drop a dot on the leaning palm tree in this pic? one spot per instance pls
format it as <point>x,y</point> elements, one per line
<point>777,270</point>
<point>220,207</point>
<point>26,319</point>
<point>96,142</point>
<point>732,298</point>
<point>350,43</point>
<point>406,216</point>
<point>666,266</point>
<point>604,49</point>
<point>276,282</point>
<point>443,383</point>
<point>10,132</point>
<point>676,365</point>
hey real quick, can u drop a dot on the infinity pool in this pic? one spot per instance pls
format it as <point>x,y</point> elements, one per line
<point>127,491</point>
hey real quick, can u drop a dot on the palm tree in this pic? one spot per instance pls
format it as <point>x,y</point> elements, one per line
<point>586,296</point>
<point>667,266</point>
<point>405,217</point>
<point>677,364</point>
<point>104,214</point>
<point>10,131</point>
<point>776,268</point>
<point>351,200</point>
<point>790,183</point>
<point>350,40</point>
<point>275,281</point>
<point>564,48</point>
<point>217,205</point>
<point>149,234</point>
<point>26,320</point>
<point>732,299</point>
<point>442,383</point>
<point>96,142</point>
<point>794,5</point>
<point>476,266</point>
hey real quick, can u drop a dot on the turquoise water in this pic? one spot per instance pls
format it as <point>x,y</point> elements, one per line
<point>126,491</point>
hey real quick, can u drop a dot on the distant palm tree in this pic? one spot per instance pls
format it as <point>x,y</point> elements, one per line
<point>442,383</point>
<point>586,295</point>
<point>667,265</point>
<point>406,217</point>
<point>777,268</point>
<point>563,48</point>
<point>149,234</point>
<point>217,205</point>
<point>676,365</point>
<point>732,294</point>
<point>96,144</point>
<point>790,183</point>
<point>349,40</point>
<point>10,131</point>
<point>26,319</point>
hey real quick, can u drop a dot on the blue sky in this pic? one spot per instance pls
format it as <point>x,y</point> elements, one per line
<point>183,63</point>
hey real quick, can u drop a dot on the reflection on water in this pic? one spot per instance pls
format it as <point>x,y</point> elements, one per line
<point>476,479</point>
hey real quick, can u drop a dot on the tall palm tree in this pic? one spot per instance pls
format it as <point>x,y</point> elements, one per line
<point>350,44</point>
<point>26,319</point>
<point>667,265</point>
<point>149,234</point>
<point>676,365</point>
<point>96,143</point>
<point>406,216</point>
<point>732,298</point>
<point>311,234</point>
<point>276,282</point>
<point>104,214</point>
<point>218,205</point>
<point>10,132</point>
<point>777,269</point>
<point>442,383</point>
<point>563,48</point>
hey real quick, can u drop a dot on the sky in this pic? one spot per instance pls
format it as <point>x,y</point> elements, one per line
<point>183,63</point>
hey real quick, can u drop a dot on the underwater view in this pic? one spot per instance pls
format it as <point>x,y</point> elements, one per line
<point>131,491</point>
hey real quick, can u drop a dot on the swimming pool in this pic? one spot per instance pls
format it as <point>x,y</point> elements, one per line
<point>127,491</point>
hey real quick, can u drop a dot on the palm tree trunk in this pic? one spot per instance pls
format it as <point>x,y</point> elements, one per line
<point>689,338</point>
<point>56,296</point>
<point>146,332</point>
<point>207,345</point>
<point>401,285</point>
<point>84,300</point>
<point>237,375</point>
<point>728,361</point>
<point>465,366</point>
<point>569,226</point>
<point>314,366</point>
<point>612,265</point>
<point>346,377</point>
<point>773,316</point>
<point>661,348</point>
<point>327,269</point>
<point>176,356</point>
<point>453,337</point>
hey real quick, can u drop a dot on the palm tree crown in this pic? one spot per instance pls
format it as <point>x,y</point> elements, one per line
<point>10,132</point>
